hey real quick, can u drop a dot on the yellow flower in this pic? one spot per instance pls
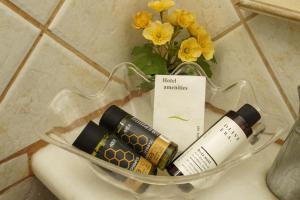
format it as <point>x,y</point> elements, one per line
<point>142,19</point>
<point>174,16</point>
<point>194,29</point>
<point>161,5</point>
<point>189,50</point>
<point>158,33</point>
<point>206,44</point>
<point>182,18</point>
<point>185,19</point>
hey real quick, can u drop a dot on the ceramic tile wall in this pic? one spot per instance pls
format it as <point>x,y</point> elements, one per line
<point>40,10</point>
<point>16,38</point>
<point>52,44</point>
<point>29,189</point>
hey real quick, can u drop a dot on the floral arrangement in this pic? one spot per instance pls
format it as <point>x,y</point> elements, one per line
<point>174,38</point>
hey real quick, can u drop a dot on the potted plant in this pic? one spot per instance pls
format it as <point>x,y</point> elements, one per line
<point>173,37</point>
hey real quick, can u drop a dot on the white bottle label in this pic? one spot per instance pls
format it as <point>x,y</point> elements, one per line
<point>212,148</point>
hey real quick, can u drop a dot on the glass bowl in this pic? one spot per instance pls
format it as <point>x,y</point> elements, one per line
<point>131,89</point>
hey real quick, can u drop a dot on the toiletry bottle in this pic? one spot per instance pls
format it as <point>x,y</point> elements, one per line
<point>217,143</point>
<point>97,141</point>
<point>141,137</point>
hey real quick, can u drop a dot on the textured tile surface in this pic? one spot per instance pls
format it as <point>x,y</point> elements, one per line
<point>280,43</point>
<point>215,15</point>
<point>238,59</point>
<point>16,38</point>
<point>102,30</point>
<point>112,44</point>
<point>40,10</point>
<point>13,170</point>
<point>50,69</point>
<point>29,189</point>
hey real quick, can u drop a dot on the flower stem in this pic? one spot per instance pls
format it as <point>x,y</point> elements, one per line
<point>161,16</point>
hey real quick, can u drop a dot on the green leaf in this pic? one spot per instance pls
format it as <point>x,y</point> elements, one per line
<point>151,64</point>
<point>145,49</point>
<point>148,61</point>
<point>159,65</point>
<point>214,60</point>
<point>205,66</point>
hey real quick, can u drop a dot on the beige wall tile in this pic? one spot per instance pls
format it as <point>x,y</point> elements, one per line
<point>30,188</point>
<point>16,38</point>
<point>13,170</point>
<point>100,29</point>
<point>108,35</point>
<point>238,59</point>
<point>215,15</point>
<point>280,42</point>
<point>49,70</point>
<point>40,10</point>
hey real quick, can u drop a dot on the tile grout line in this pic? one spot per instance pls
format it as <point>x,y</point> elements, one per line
<point>54,13</point>
<point>233,27</point>
<point>29,150</point>
<point>266,63</point>
<point>14,184</point>
<point>22,13</point>
<point>33,46</point>
<point>77,52</point>
<point>48,32</point>
<point>20,67</point>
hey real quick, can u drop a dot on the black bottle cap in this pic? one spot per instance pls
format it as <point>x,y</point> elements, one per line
<point>249,114</point>
<point>112,117</point>
<point>89,137</point>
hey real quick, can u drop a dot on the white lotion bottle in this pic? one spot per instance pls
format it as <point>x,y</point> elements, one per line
<point>217,143</point>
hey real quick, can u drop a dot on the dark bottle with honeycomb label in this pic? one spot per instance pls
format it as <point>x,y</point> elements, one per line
<point>141,137</point>
<point>100,143</point>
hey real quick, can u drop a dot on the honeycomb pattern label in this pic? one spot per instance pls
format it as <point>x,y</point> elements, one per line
<point>137,141</point>
<point>157,150</point>
<point>119,157</point>
<point>143,166</point>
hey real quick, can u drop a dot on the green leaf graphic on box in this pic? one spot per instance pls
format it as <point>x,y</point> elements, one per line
<point>178,117</point>
<point>148,61</point>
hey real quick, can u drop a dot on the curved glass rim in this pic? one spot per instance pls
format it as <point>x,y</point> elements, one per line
<point>152,179</point>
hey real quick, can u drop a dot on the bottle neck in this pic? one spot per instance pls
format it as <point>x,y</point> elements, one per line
<point>240,122</point>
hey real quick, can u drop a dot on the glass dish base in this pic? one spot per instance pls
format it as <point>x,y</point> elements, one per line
<point>130,89</point>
